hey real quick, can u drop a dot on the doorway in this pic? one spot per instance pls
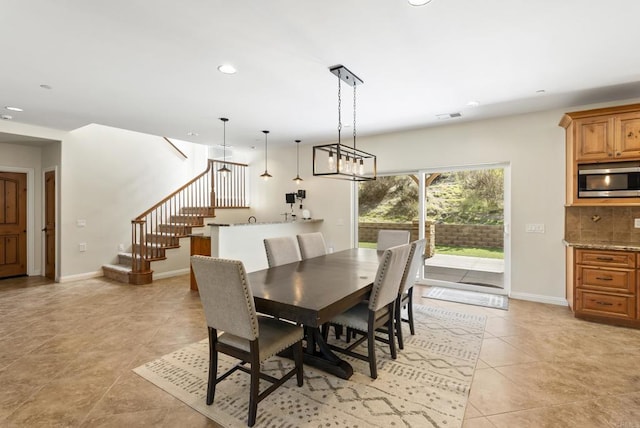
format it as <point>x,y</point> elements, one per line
<point>469,208</point>
<point>13,224</point>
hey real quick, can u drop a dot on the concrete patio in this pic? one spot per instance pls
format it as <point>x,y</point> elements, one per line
<point>465,270</point>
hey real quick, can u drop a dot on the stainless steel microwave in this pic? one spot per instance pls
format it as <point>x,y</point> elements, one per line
<point>609,180</point>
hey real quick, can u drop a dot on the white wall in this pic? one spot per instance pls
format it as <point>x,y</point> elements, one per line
<point>327,199</point>
<point>108,177</point>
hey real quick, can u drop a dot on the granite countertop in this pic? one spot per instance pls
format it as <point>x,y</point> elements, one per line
<point>311,220</point>
<point>625,246</point>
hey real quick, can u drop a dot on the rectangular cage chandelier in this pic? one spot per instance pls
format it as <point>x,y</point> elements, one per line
<point>337,160</point>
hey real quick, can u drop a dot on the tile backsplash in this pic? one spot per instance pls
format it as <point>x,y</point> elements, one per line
<point>601,224</point>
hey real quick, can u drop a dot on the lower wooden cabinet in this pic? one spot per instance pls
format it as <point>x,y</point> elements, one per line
<point>200,245</point>
<point>606,286</point>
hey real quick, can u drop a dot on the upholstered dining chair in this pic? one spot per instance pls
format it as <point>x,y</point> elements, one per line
<point>281,250</point>
<point>379,311</point>
<point>390,238</point>
<point>311,245</point>
<point>405,294</point>
<point>229,307</point>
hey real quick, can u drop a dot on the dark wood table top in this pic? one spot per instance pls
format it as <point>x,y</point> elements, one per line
<point>313,291</point>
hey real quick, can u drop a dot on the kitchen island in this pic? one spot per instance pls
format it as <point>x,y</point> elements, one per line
<point>244,241</point>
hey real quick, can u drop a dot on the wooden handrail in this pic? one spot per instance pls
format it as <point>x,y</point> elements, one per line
<point>180,189</point>
<point>162,225</point>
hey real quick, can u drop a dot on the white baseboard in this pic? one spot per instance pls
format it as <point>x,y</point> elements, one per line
<point>81,276</point>
<point>561,301</point>
<point>170,274</point>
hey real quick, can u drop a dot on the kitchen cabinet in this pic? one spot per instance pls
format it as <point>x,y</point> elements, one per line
<point>200,245</point>
<point>607,138</point>
<point>605,286</point>
<point>601,135</point>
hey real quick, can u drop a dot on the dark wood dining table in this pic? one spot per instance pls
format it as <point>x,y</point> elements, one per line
<point>313,291</point>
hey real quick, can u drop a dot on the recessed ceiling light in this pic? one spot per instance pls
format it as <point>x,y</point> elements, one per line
<point>227,69</point>
<point>449,115</point>
<point>46,87</point>
<point>473,104</point>
<point>13,108</point>
<point>192,134</point>
<point>418,2</point>
<point>6,117</point>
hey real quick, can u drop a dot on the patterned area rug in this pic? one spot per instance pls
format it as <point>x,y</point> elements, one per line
<point>426,386</point>
<point>468,297</point>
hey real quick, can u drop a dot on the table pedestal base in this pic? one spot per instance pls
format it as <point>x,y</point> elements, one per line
<point>318,354</point>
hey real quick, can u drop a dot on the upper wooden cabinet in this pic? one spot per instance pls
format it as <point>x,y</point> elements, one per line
<point>600,135</point>
<point>607,138</point>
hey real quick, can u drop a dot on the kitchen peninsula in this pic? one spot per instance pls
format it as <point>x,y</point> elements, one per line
<point>244,241</point>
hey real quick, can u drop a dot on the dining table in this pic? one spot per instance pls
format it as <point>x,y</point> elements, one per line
<point>311,292</point>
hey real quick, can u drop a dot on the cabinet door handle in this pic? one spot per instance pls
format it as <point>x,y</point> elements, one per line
<point>604,303</point>
<point>604,278</point>
<point>605,259</point>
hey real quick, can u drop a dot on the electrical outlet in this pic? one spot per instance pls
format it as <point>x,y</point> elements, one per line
<point>82,247</point>
<point>120,247</point>
<point>81,222</point>
<point>636,223</point>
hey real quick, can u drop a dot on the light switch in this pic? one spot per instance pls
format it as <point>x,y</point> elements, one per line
<point>636,223</point>
<point>81,222</point>
<point>534,228</point>
<point>82,247</point>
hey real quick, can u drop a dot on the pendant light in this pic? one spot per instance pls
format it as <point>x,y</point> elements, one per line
<point>224,170</point>
<point>338,160</point>
<point>298,179</point>
<point>265,175</point>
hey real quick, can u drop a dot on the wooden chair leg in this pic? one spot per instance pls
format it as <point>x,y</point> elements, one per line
<point>390,330</point>
<point>410,312</point>
<point>398,322</point>
<point>213,365</point>
<point>255,384</point>
<point>297,357</point>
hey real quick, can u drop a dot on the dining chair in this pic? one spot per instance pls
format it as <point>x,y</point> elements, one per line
<point>311,245</point>
<point>390,238</point>
<point>229,307</point>
<point>405,294</point>
<point>281,250</point>
<point>379,311</point>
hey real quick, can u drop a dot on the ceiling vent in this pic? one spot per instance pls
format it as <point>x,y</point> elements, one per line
<point>449,115</point>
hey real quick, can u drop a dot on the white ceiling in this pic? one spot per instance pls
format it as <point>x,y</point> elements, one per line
<point>151,65</point>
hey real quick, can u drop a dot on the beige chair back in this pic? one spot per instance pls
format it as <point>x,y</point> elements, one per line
<point>281,250</point>
<point>413,264</point>
<point>311,245</point>
<point>391,238</point>
<point>387,282</point>
<point>226,296</point>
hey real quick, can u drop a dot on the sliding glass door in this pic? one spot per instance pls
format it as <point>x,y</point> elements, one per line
<point>463,212</point>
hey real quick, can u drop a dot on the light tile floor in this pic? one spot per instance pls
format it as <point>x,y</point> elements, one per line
<point>67,350</point>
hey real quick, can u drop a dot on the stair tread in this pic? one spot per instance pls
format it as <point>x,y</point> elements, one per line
<point>121,268</point>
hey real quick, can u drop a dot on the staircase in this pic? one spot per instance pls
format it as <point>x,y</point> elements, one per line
<point>160,228</point>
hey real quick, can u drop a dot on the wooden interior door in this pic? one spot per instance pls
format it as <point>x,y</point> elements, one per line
<point>50,224</point>
<point>13,224</point>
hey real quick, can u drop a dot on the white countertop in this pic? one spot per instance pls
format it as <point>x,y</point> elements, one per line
<point>311,220</point>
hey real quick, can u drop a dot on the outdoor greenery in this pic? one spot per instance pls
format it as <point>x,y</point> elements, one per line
<point>463,197</point>
<point>488,253</point>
